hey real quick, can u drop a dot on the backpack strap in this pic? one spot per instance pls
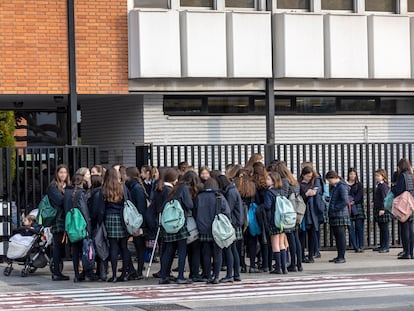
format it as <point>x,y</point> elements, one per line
<point>218,202</point>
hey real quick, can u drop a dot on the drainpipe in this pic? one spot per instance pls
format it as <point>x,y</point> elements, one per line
<point>73,96</point>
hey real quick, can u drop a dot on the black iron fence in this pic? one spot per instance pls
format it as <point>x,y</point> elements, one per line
<point>365,158</point>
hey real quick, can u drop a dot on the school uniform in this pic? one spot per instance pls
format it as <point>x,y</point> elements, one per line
<point>357,213</point>
<point>383,221</point>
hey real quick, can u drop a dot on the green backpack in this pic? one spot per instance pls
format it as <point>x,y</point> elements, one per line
<point>75,225</point>
<point>46,215</point>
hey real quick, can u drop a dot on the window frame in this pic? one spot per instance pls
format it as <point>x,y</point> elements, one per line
<point>168,6</point>
<point>353,10</point>
<point>197,8</point>
<point>382,12</point>
<point>231,8</point>
<point>295,10</point>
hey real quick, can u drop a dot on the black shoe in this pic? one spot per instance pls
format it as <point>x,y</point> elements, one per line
<point>237,279</point>
<point>254,270</point>
<point>401,253</point>
<point>243,270</point>
<point>275,272</point>
<point>172,278</point>
<point>333,259</point>
<point>318,255</point>
<point>199,280</point>
<point>183,281</point>
<point>300,269</point>
<point>76,279</point>
<point>361,250</point>
<point>376,249</point>
<point>213,281</point>
<point>156,275</point>
<point>226,280</point>
<point>164,281</point>
<point>382,251</point>
<point>292,269</point>
<point>112,279</point>
<point>404,256</point>
<point>284,272</point>
<point>132,276</point>
<point>60,277</point>
<point>308,260</point>
<point>340,260</point>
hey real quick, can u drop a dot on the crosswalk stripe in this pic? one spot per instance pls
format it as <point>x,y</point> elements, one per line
<point>126,295</point>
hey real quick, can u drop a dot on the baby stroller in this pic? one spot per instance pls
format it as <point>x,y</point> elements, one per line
<point>29,248</point>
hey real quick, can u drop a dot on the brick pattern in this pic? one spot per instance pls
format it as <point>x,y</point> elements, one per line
<point>101,46</point>
<point>33,47</point>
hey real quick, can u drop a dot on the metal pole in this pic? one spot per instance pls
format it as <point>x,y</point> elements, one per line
<point>73,97</point>
<point>270,122</point>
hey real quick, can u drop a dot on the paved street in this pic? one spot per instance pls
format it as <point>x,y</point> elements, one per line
<point>368,281</point>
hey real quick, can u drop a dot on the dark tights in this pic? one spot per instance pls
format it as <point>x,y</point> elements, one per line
<point>116,246</point>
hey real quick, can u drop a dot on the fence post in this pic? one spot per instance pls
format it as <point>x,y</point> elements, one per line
<point>143,155</point>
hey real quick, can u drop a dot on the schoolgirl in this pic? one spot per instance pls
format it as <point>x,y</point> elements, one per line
<point>338,213</point>
<point>56,193</point>
<point>210,202</point>
<point>311,191</point>
<point>77,197</point>
<point>139,198</point>
<point>234,200</point>
<point>357,213</point>
<point>381,217</point>
<point>405,183</point>
<point>204,173</point>
<point>114,194</point>
<point>289,186</point>
<point>185,192</point>
<point>277,236</point>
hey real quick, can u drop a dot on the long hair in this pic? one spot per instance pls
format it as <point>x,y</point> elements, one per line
<point>78,182</point>
<point>112,189</point>
<point>96,181</point>
<point>233,171</point>
<point>256,157</point>
<point>277,180</point>
<point>259,175</point>
<point>404,165</point>
<point>168,175</point>
<point>189,178</point>
<point>352,170</point>
<point>384,175</point>
<point>55,181</point>
<point>305,171</point>
<point>245,185</point>
<point>284,172</point>
<point>132,172</point>
<point>223,182</point>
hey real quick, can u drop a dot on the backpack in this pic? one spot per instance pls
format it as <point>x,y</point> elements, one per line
<point>254,227</point>
<point>172,217</point>
<point>285,214</point>
<point>75,225</point>
<point>88,254</point>
<point>101,242</point>
<point>46,215</point>
<point>132,219</point>
<point>246,216</point>
<point>403,206</point>
<point>389,199</point>
<point>223,231</point>
<point>299,205</point>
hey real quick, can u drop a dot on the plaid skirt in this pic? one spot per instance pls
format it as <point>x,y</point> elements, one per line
<point>273,230</point>
<point>174,237</point>
<point>206,237</point>
<point>239,233</point>
<point>114,227</point>
<point>339,221</point>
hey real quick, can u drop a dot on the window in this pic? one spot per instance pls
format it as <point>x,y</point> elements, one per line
<point>381,5</point>
<point>293,4</point>
<point>410,5</point>
<point>163,4</point>
<point>282,105</point>
<point>197,3</point>
<point>319,105</point>
<point>357,106</point>
<point>390,105</point>
<point>344,5</point>
<point>240,4</point>
<point>225,105</point>
<point>182,106</point>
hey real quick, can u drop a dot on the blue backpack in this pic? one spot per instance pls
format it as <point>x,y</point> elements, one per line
<point>285,214</point>
<point>172,217</point>
<point>254,227</point>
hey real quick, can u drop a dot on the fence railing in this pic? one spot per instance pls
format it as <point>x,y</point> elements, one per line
<point>365,158</point>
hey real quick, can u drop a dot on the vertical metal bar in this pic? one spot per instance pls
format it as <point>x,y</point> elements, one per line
<point>220,164</point>
<point>199,156</point>
<point>226,155</point>
<point>2,150</point>
<point>270,121</point>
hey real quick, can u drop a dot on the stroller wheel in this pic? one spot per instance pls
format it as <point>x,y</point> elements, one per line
<point>24,273</point>
<point>32,269</point>
<point>7,271</point>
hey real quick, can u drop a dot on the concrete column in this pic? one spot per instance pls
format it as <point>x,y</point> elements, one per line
<point>402,7</point>
<point>315,6</point>
<point>359,6</point>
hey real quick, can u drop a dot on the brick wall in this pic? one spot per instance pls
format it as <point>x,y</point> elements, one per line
<point>33,47</point>
<point>101,46</point>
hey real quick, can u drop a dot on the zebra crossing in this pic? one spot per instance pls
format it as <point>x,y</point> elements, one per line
<point>139,294</point>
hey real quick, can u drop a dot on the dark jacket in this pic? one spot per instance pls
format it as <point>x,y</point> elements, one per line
<point>183,195</point>
<point>338,202</point>
<point>401,185</point>
<point>79,200</point>
<point>356,191</point>
<point>138,198</point>
<point>209,203</point>
<point>288,189</point>
<point>96,207</point>
<point>56,200</point>
<point>158,198</point>
<point>314,204</point>
<point>115,208</point>
<point>235,204</point>
<point>379,195</point>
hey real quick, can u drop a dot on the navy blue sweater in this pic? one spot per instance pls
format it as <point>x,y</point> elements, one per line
<point>338,202</point>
